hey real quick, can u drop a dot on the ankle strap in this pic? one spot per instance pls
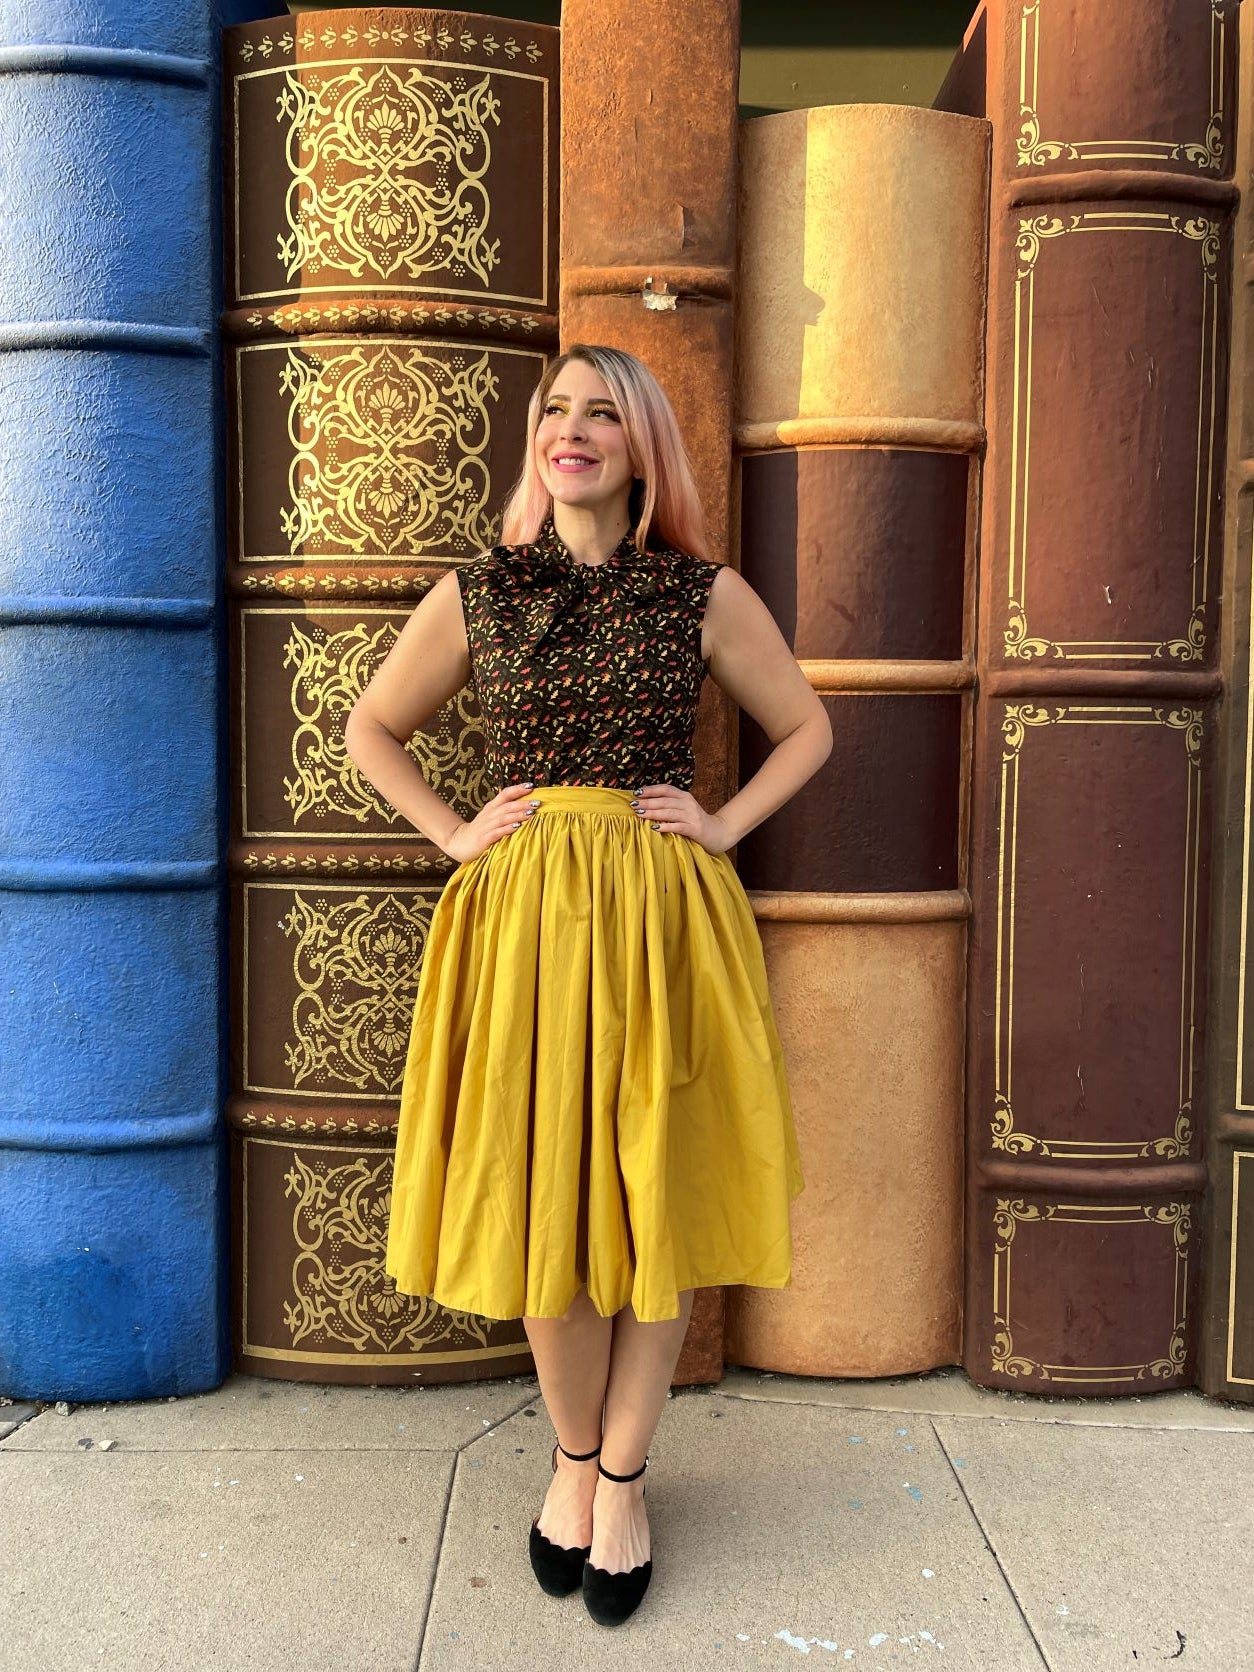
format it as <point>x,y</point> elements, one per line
<point>635,1474</point>
<point>576,1458</point>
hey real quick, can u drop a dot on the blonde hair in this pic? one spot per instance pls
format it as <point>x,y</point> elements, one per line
<point>663,502</point>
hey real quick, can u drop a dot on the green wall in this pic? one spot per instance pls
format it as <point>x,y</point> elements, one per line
<point>794,54</point>
<point>815,52</point>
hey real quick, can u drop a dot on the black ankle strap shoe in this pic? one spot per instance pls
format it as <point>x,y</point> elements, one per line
<point>611,1597</point>
<point>557,1566</point>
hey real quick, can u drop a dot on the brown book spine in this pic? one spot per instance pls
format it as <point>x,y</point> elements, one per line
<point>1227,1361</point>
<point>859,338</point>
<point>648,240</point>
<point>391,275</point>
<point>1098,678</point>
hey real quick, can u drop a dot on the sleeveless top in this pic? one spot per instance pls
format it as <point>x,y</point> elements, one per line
<point>587,674</point>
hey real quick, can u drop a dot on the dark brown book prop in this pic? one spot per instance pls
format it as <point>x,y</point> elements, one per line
<point>1226,1364</point>
<point>391,271</point>
<point>1098,667</point>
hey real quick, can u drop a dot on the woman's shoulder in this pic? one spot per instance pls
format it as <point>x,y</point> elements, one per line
<point>681,561</point>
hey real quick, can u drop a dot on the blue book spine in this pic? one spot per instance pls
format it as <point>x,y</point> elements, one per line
<point>113,1212</point>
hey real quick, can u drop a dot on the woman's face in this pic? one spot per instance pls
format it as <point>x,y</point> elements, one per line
<point>580,448</point>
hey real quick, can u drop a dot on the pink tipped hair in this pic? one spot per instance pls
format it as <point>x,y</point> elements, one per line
<point>670,507</point>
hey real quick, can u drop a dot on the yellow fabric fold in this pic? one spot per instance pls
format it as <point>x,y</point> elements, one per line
<point>595,1090</point>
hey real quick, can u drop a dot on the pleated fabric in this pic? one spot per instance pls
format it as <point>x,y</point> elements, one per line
<point>594,1090</point>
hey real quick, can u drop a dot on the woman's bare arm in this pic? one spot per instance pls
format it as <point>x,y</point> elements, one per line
<point>750,659</point>
<point>426,668</point>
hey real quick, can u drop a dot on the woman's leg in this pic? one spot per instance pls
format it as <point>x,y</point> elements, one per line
<point>642,1363</point>
<point>572,1356</point>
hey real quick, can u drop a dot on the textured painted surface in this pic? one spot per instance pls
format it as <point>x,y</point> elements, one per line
<point>875,1060</point>
<point>896,518</point>
<point>861,256</point>
<point>1227,1348</point>
<point>391,262</point>
<point>1098,628</point>
<point>904,836</point>
<point>649,192</point>
<point>858,416</point>
<point>112,1206</point>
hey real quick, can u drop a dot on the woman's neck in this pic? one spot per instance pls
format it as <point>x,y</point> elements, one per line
<point>591,533</point>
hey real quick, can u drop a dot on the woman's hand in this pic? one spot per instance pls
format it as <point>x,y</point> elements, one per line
<point>667,808</point>
<point>496,818</point>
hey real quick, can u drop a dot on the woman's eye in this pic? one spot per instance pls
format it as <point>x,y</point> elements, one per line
<point>595,412</point>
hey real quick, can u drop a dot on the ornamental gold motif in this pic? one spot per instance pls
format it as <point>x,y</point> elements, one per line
<point>341,1296</point>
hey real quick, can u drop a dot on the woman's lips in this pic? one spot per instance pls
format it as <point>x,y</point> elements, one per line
<point>575,466</point>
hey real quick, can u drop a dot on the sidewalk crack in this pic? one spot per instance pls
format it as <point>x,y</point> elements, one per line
<point>992,1549</point>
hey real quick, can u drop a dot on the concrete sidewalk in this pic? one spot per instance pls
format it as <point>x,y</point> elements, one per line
<point>868,1524</point>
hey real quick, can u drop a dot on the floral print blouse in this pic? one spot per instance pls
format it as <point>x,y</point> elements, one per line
<point>587,674</point>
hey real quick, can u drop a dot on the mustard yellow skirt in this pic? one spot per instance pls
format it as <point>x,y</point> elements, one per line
<point>594,1091</point>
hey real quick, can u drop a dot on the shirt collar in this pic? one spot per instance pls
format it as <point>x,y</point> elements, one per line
<point>549,543</point>
<point>547,580</point>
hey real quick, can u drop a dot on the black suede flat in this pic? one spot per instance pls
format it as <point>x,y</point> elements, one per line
<point>611,1598</point>
<point>558,1567</point>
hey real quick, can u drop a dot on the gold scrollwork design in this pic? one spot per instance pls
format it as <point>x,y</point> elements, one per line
<point>350,38</point>
<point>1210,153</point>
<point>330,670</point>
<point>355,964</point>
<point>388,174</point>
<point>1008,1214</point>
<point>1192,647</point>
<point>1033,151</point>
<point>342,1293</point>
<point>1019,643</point>
<point>390,449</point>
<point>1032,228</point>
<point>1187,721</point>
<point>1015,721</point>
<point>1005,1136</point>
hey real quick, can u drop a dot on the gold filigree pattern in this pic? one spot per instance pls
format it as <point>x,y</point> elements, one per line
<point>291,583</point>
<point>352,39</point>
<point>355,963</point>
<point>1033,151</point>
<point>328,1127</point>
<point>1174,1216</point>
<point>390,449</point>
<point>1019,643</point>
<point>330,670</point>
<point>388,172</point>
<point>297,318</point>
<point>349,864</point>
<point>342,1295</point>
<point>1017,720</point>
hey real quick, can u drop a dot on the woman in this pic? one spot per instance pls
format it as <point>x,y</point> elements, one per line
<point>595,1118</point>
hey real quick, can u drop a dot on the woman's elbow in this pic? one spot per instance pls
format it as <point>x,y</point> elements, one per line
<point>822,722</point>
<point>353,726</point>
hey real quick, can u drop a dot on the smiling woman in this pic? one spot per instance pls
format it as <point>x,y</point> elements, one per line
<point>595,1116</point>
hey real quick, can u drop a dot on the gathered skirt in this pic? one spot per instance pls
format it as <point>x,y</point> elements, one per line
<point>594,1090</point>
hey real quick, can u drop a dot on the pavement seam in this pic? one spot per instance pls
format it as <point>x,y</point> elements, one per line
<point>991,1415</point>
<point>992,1549</point>
<point>532,1398</point>
<point>435,1566</point>
<point>20,1422</point>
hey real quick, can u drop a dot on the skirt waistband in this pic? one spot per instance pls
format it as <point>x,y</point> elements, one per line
<point>583,798</point>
